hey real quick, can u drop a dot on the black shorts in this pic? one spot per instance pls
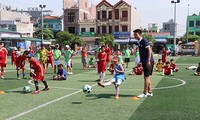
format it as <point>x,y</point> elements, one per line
<point>127,60</point>
<point>147,70</point>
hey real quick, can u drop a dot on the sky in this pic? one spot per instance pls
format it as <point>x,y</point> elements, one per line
<point>151,11</point>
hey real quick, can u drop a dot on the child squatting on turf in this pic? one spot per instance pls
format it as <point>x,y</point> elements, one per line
<point>61,74</point>
<point>167,69</point>
<point>159,66</point>
<point>117,79</point>
<point>37,72</point>
<point>138,70</point>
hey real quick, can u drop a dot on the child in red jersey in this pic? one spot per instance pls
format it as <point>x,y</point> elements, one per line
<point>138,70</point>
<point>37,73</point>
<point>20,64</point>
<point>31,51</point>
<point>167,69</point>
<point>101,58</point>
<point>3,58</point>
<point>173,65</point>
<point>13,56</point>
<point>50,58</point>
<point>164,55</point>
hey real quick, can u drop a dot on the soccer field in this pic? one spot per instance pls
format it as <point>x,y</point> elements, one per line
<point>175,97</point>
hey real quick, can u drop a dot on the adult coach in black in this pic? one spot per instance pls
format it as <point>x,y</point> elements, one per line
<point>147,61</point>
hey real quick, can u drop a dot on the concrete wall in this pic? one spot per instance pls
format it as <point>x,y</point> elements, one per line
<point>135,19</point>
<point>25,28</point>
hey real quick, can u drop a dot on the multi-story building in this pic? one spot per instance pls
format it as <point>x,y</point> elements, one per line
<point>193,24</point>
<point>168,27</point>
<point>11,18</point>
<point>153,27</point>
<point>119,19</point>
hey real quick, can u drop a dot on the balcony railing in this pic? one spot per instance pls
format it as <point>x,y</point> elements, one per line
<point>124,19</point>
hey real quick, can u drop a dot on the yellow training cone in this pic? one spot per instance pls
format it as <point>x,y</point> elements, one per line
<point>135,98</point>
<point>2,92</point>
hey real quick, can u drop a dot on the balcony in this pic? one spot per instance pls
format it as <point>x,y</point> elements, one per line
<point>124,19</point>
<point>104,19</point>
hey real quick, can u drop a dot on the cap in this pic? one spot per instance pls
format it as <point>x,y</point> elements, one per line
<point>67,46</point>
<point>30,55</point>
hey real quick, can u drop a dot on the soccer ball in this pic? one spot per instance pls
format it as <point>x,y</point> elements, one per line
<point>87,89</point>
<point>26,89</point>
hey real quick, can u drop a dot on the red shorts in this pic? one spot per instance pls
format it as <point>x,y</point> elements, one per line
<point>101,67</point>
<point>3,65</point>
<point>167,72</point>
<point>108,58</point>
<point>39,76</point>
<point>49,60</point>
<point>19,66</point>
<point>164,59</point>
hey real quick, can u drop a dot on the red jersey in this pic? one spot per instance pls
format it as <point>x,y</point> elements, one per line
<point>49,53</point>
<point>173,66</point>
<point>138,70</point>
<point>21,59</point>
<point>38,70</point>
<point>102,62</point>
<point>3,55</point>
<point>31,51</point>
<point>108,52</point>
<point>164,56</point>
<point>84,52</point>
<point>14,56</point>
<point>167,70</point>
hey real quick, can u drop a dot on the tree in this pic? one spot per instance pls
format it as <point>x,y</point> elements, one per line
<point>149,37</point>
<point>107,39</point>
<point>191,38</point>
<point>66,38</point>
<point>47,33</point>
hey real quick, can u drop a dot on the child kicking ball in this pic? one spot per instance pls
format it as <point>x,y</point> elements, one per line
<point>117,79</point>
<point>37,72</point>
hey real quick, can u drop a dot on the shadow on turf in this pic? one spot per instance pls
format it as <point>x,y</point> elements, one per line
<point>99,96</point>
<point>77,103</point>
<point>17,91</point>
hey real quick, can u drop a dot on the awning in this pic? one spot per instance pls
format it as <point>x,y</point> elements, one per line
<point>23,39</point>
<point>160,40</point>
<point>126,41</point>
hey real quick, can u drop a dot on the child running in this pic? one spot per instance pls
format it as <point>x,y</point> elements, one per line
<point>37,72</point>
<point>118,78</point>
<point>61,74</point>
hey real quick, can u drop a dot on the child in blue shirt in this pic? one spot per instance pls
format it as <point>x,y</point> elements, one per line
<point>118,77</point>
<point>61,74</point>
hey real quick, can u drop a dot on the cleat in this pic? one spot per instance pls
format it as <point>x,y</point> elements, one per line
<point>36,92</point>
<point>18,78</point>
<point>45,89</point>
<point>149,94</point>
<point>142,95</point>
<point>2,77</point>
<point>117,97</point>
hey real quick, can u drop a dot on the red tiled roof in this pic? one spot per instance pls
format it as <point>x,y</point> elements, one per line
<point>159,33</point>
<point>105,2</point>
<point>51,17</point>
<point>121,2</point>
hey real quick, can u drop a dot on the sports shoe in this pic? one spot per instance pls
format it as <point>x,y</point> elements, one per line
<point>163,74</point>
<point>117,97</point>
<point>70,73</point>
<point>100,84</point>
<point>36,92</point>
<point>149,94</point>
<point>18,78</point>
<point>24,77</point>
<point>172,74</point>
<point>45,89</point>
<point>142,95</point>
<point>2,77</point>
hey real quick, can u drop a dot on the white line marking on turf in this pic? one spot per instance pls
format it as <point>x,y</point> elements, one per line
<point>48,103</point>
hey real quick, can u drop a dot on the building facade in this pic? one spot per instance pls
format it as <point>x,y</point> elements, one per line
<point>168,27</point>
<point>193,24</point>
<point>153,27</point>
<point>11,18</point>
<point>119,19</point>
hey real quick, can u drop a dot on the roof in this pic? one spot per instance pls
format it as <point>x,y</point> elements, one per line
<point>2,30</point>
<point>159,33</point>
<point>52,17</point>
<point>126,41</point>
<point>23,39</point>
<point>121,2</point>
<point>105,2</point>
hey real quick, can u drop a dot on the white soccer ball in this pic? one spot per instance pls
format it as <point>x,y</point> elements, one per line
<point>87,89</point>
<point>26,89</point>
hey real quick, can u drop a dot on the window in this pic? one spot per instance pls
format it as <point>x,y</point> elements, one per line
<point>116,28</point>
<point>110,29</point>
<point>57,26</point>
<point>104,14</point>
<point>98,29</point>
<point>198,24</point>
<point>191,23</point>
<point>124,14</point>
<point>198,33</point>
<point>71,16</point>
<point>98,15</point>
<point>104,31</point>
<point>83,30</point>
<point>84,16</point>
<point>50,25</point>
<point>191,33</point>
<point>85,4</point>
<point>110,15</point>
<point>71,30</point>
<point>91,29</point>
<point>117,14</point>
<point>124,28</point>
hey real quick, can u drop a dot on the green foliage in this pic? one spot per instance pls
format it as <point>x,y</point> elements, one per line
<point>149,37</point>
<point>67,38</point>
<point>107,39</point>
<point>191,38</point>
<point>47,33</point>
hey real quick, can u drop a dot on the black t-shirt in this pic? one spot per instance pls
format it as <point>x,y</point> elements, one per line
<point>143,45</point>
<point>198,69</point>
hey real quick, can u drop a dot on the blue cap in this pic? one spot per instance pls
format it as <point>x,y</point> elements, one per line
<point>30,55</point>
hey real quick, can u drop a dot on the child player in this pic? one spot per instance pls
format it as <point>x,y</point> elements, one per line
<point>38,73</point>
<point>68,56</point>
<point>138,70</point>
<point>3,58</point>
<point>61,74</point>
<point>102,63</point>
<point>49,58</point>
<point>173,65</point>
<point>164,55</point>
<point>56,56</point>
<point>127,55</point>
<point>13,56</point>
<point>167,69</point>
<point>159,66</point>
<point>20,64</point>
<point>118,78</point>
<point>197,73</point>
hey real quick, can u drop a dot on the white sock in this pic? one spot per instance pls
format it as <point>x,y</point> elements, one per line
<point>99,75</point>
<point>171,72</point>
<point>103,76</point>
<point>163,71</point>
<point>117,91</point>
<point>107,83</point>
